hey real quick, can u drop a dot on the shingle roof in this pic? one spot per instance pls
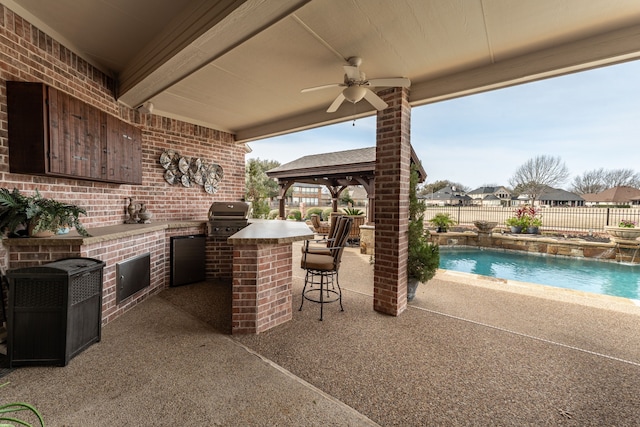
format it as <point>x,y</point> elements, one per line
<point>483,190</point>
<point>337,158</point>
<point>558,194</point>
<point>619,194</point>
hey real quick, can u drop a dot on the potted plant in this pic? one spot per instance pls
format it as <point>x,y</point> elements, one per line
<point>519,221</point>
<point>534,222</point>
<point>423,257</point>
<point>22,215</point>
<point>352,211</point>
<point>442,222</point>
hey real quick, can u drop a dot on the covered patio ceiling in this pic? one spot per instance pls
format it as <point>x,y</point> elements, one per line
<point>239,66</point>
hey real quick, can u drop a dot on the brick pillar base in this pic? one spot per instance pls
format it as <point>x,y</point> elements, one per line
<point>393,155</point>
<point>261,287</point>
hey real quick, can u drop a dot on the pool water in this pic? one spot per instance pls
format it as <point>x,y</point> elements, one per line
<point>608,278</point>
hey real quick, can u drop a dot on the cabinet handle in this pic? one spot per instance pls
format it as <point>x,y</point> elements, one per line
<point>77,116</point>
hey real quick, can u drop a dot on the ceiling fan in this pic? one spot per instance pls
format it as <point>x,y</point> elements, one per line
<point>356,86</point>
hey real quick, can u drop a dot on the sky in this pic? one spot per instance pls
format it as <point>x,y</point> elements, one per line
<point>590,120</point>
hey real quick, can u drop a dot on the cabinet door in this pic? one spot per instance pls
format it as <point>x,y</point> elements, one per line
<point>124,152</point>
<point>74,143</point>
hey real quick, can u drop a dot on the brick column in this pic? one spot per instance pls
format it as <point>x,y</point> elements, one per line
<point>262,278</point>
<point>393,154</point>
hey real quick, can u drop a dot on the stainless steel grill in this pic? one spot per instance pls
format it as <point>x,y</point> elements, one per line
<point>227,218</point>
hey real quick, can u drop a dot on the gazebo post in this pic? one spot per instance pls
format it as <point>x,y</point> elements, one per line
<point>282,198</point>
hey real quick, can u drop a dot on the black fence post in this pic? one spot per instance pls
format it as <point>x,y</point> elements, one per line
<point>607,221</point>
<point>459,207</point>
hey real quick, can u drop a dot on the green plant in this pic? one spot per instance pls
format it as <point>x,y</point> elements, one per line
<point>423,257</point>
<point>326,214</point>
<point>442,221</point>
<point>295,214</point>
<point>519,219</point>
<point>625,223</point>
<point>524,217</point>
<point>313,211</point>
<point>20,214</point>
<point>7,410</point>
<point>352,211</point>
<point>273,214</point>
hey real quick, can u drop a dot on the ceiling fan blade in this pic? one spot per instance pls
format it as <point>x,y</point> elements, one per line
<point>311,89</point>
<point>375,100</point>
<point>336,104</point>
<point>390,82</point>
<point>352,72</point>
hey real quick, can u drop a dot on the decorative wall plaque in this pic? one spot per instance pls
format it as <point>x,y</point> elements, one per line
<point>187,171</point>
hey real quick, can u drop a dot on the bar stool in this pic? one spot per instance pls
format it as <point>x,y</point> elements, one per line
<point>321,283</point>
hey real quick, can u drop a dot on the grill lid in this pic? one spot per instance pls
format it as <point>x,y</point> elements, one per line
<point>228,211</point>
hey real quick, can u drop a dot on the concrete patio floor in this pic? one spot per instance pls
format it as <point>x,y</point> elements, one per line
<point>467,351</point>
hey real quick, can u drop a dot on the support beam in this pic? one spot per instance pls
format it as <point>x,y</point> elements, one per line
<point>393,155</point>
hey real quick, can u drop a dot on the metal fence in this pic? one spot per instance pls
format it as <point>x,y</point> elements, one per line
<point>578,219</point>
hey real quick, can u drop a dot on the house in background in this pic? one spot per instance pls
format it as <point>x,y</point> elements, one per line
<point>619,196</point>
<point>552,197</point>
<point>309,194</point>
<point>490,196</point>
<point>447,196</point>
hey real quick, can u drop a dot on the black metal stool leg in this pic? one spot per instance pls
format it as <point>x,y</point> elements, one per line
<point>322,277</point>
<point>339,291</point>
<point>306,280</point>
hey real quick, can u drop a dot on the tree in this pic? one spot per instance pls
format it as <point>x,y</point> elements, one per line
<point>589,182</point>
<point>427,189</point>
<point>597,180</point>
<point>620,177</point>
<point>259,187</point>
<point>538,173</point>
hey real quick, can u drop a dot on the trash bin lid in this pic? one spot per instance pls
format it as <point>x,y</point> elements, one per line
<point>75,265</point>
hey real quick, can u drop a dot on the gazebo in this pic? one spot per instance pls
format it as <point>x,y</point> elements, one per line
<point>336,171</point>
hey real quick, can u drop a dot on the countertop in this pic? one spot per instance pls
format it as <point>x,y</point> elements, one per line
<point>257,232</point>
<point>102,234</point>
<point>263,232</point>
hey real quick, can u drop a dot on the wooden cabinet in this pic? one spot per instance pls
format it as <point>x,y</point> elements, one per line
<point>52,133</point>
<point>123,151</point>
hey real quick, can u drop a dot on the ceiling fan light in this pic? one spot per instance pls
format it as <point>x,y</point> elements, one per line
<point>354,94</point>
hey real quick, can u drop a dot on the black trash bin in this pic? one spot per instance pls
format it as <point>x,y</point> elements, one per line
<point>54,311</point>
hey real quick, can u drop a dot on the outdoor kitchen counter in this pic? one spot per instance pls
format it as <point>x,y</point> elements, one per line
<point>103,234</point>
<point>263,274</point>
<point>261,232</point>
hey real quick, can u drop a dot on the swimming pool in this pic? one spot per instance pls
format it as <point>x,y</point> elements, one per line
<point>608,278</point>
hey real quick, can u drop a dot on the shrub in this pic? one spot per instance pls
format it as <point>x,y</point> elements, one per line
<point>273,214</point>
<point>313,211</point>
<point>295,214</point>
<point>326,214</point>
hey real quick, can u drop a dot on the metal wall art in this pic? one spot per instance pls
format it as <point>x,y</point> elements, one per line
<point>190,171</point>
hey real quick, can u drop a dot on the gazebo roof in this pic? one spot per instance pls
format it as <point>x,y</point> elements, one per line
<point>335,168</point>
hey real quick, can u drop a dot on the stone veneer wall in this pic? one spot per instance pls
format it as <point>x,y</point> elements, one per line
<point>28,54</point>
<point>542,245</point>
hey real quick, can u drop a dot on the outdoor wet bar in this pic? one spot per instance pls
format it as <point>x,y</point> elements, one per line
<point>262,274</point>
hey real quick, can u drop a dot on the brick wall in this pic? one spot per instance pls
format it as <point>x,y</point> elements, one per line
<point>261,287</point>
<point>28,54</point>
<point>393,154</point>
<point>156,243</point>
